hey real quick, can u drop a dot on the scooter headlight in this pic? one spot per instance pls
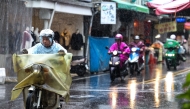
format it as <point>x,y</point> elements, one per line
<point>117,63</point>
<point>114,52</point>
<point>170,54</point>
<point>134,49</point>
<point>110,62</point>
<point>36,68</point>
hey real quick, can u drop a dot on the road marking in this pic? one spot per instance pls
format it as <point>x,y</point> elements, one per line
<point>174,74</point>
<point>90,76</point>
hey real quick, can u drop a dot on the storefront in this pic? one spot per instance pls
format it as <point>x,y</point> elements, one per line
<point>64,19</point>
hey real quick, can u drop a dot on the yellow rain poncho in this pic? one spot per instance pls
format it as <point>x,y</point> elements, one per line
<point>55,77</point>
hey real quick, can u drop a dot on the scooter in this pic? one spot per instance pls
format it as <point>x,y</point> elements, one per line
<point>172,58</point>
<point>79,65</point>
<point>133,61</point>
<point>174,52</point>
<point>43,79</point>
<point>114,66</point>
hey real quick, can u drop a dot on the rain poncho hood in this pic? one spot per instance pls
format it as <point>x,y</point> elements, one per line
<point>170,43</point>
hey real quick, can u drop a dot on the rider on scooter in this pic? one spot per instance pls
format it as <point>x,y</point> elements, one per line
<point>175,43</point>
<point>47,45</point>
<point>121,46</point>
<point>57,76</point>
<point>138,43</point>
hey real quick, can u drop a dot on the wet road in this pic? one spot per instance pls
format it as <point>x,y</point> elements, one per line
<point>154,88</point>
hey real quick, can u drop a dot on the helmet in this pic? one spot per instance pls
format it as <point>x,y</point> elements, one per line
<point>137,37</point>
<point>172,36</point>
<point>157,36</point>
<point>47,33</point>
<point>119,36</point>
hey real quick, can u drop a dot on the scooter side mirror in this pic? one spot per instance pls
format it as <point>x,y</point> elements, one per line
<point>24,51</point>
<point>106,47</point>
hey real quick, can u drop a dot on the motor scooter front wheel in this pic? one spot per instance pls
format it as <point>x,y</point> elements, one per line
<point>31,102</point>
<point>112,74</point>
<point>167,64</point>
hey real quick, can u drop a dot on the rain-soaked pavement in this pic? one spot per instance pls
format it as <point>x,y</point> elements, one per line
<point>155,88</point>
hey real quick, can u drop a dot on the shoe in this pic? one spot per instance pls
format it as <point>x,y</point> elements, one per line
<point>183,59</point>
<point>125,73</point>
<point>122,79</point>
<point>138,73</point>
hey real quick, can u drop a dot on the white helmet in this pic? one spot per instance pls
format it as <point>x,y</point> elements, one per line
<point>173,36</point>
<point>137,37</point>
<point>157,36</point>
<point>47,33</point>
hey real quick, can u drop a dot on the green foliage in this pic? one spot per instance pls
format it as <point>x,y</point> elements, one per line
<point>186,95</point>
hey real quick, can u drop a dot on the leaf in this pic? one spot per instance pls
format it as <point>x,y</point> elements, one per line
<point>186,106</point>
<point>187,81</point>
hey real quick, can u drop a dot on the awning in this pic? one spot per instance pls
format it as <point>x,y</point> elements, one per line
<point>156,3</point>
<point>131,6</point>
<point>60,7</point>
<point>173,7</point>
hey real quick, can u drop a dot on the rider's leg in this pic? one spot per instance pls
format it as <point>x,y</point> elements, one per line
<point>141,64</point>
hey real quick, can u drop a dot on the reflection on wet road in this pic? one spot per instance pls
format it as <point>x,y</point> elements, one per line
<point>154,88</point>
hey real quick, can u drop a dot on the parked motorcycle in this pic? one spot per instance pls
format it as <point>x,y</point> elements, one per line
<point>133,61</point>
<point>79,65</point>
<point>114,66</point>
<point>43,79</point>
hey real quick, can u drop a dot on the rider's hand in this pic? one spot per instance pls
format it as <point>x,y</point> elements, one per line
<point>61,52</point>
<point>124,52</point>
<point>24,51</point>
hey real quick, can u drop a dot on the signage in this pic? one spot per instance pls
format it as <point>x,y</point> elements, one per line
<point>187,25</point>
<point>108,13</point>
<point>180,20</point>
<point>166,27</point>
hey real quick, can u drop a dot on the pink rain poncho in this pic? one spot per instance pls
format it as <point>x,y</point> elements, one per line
<point>122,47</point>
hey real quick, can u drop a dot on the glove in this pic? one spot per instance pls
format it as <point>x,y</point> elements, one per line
<point>61,52</point>
<point>24,51</point>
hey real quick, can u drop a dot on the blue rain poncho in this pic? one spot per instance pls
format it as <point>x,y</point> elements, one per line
<point>40,49</point>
